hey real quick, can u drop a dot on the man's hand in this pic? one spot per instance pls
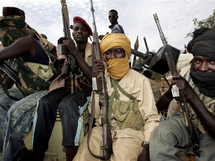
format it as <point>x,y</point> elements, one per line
<point>70,45</point>
<point>98,67</point>
<point>183,85</point>
<point>144,156</point>
<point>101,36</point>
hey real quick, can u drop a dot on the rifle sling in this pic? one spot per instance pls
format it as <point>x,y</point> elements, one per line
<point>90,129</point>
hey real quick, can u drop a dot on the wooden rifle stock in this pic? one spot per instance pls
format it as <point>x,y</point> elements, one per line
<point>99,85</point>
<point>68,73</point>
<point>178,94</point>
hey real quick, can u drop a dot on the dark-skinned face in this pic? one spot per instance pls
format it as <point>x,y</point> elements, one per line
<point>112,17</point>
<point>203,64</point>
<point>80,32</point>
<point>115,53</point>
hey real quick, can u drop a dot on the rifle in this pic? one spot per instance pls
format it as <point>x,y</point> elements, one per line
<point>12,75</point>
<point>178,94</point>
<point>69,71</point>
<point>99,85</point>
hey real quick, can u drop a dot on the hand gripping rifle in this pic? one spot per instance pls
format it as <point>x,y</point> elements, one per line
<point>178,94</point>
<point>62,49</point>
<point>99,85</point>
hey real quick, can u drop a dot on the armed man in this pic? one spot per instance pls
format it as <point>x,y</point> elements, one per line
<point>35,69</point>
<point>71,105</point>
<point>131,126</point>
<point>197,84</point>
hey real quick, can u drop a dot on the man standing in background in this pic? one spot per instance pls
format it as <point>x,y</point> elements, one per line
<point>115,27</point>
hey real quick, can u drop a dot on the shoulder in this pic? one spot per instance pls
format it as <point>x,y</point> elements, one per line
<point>183,60</point>
<point>134,72</point>
<point>185,69</point>
<point>23,44</point>
<point>26,39</point>
<point>135,76</point>
<point>119,25</point>
<point>88,47</point>
<point>88,50</point>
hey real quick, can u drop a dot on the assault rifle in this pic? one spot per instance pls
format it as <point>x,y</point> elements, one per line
<point>178,94</point>
<point>99,85</point>
<point>62,49</point>
<point>6,68</point>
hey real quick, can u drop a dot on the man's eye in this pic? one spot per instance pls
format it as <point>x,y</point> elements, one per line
<point>212,61</point>
<point>119,50</point>
<point>196,60</point>
<point>108,52</point>
<point>84,30</point>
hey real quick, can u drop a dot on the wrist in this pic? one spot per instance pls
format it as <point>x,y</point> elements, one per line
<point>144,143</point>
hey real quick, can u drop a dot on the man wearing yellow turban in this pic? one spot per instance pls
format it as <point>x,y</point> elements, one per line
<point>117,68</point>
<point>130,139</point>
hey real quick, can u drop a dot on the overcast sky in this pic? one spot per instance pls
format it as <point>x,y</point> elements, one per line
<point>136,17</point>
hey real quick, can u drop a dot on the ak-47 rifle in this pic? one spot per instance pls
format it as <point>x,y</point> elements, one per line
<point>99,85</point>
<point>178,94</point>
<point>62,49</point>
<point>7,68</point>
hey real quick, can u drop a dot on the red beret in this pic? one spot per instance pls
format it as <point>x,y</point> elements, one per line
<point>79,19</point>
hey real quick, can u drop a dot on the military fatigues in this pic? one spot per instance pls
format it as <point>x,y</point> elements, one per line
<point>19,118</point>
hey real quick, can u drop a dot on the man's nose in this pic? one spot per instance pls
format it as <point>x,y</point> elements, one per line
<point>204,67</point>
<point>112,55</point>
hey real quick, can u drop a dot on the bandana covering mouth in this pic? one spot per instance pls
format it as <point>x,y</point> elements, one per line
<point>116,68</point>
<point>204,81</point>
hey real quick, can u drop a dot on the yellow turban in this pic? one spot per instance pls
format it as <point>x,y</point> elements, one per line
<point>117,68</point>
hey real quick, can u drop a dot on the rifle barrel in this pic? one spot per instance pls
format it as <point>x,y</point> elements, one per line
<point>103,96</point>
<point>65,17</point>
<point>168,54</point>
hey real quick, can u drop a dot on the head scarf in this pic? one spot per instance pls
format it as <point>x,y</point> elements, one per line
<point>116,68</point>
<point>11,29</point>
<point>203,44</point>
<point>11,11</point>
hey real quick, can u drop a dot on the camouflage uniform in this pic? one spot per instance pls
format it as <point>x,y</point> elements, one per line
<point>16,116</point>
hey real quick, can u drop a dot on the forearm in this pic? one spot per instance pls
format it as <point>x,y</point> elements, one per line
<point>144,156</point>
<point>203,114</point>
<point>164,101</point>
